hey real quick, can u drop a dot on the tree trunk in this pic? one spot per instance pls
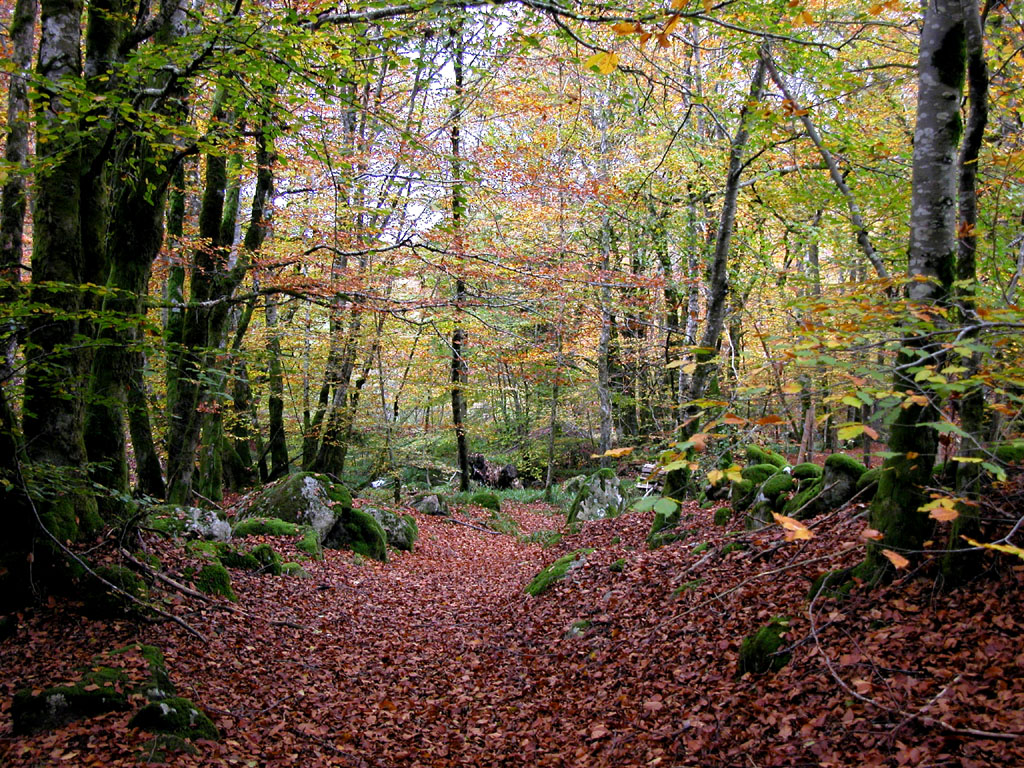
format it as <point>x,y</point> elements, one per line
<point>275,402</point>
<point>459,367</point>
<point>913,439</point>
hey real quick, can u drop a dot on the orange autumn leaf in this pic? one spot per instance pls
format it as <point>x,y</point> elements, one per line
<point>794,528</point>
<point>897,560</point>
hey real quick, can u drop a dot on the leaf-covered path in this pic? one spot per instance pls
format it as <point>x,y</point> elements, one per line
<point>439,658</point>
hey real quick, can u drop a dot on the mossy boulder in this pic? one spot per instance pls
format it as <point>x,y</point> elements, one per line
<point>722,516</point>
<point>233,557</point>
<point>214,579</point>
<point>360,533</point>
<point>401,530</point>
<point>487,500</point>
<point>597,498</point>
<point>269,560</point>
<point>806,471</point>
<point>175,716</point>
<point>801,506</point>
<point>296,570</point>
<point>102,602</point>
<point>1011,452</point>
<point>431,504</point>
<point>868,479</point>
<point>758,455</point>
<point>305,498</point>
<point>758,473</point>
<point>194,522</point>
<point>759,652</point>
<point>265,526</point>
<point>100,690</point>
<point>837,485</point>
<point>557,571</point>
<point>310,543</point>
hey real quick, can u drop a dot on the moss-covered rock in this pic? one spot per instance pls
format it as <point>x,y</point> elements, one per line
<point>401,530</point>
<point>618,566</point>
<point>734,546</point>
<point>269,560</point>
<point>175,716</point>
<point>101,601</point>
<point>578,628</point>
<point>1011,452</point>
<point>868,479</point>
<point>206,550</point>
<point>776,485</point>
<point>758,455</point>
<point>296,570</point>
<point>305,498</point>
<point>598,498</point>
<point>214,579</point>
<point>723,515</point>
<point>759,652</point>
<point>431,504</point>
<point>101,689</point>
<point>487,500</point>
<point>758,473</point>
<point>806,471</point>
<point>360,533</point>
<point>265,526</point>
<point>557,571</point>
<point>801,506</point>
<point>840,463</point>
<point>233,557</point>
<point>175,520</point>
<point>310,543</point>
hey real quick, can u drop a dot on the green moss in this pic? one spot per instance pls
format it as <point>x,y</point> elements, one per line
<point>556,571</point>
<point>759,651</point>
<point>1010,453</point>
<point>487,500</point>
<point>101,689</point>
<point>776,485</point>
<point>840,462</point>
<point>294,569</point>
<point>802,504</point>
<point>269,560</point>
<point>214,579</point>
<point>102,602</point>
<point>868,478</point>
<point>578,628</point>
<point>158,685</point>
<point>198,548</point>
<point>503,523</point>
<point>361,533</point>
<point>723,515</point>
<point>265,526</point>
<point>337,492</point>
<point>618,566</point>
<point>758,473</point>
<point>734,546</point>
<point>702,547</point>
<point>546,538</point>
<point>176,716</point>
<point>688,586</point>
<point>310,543</point>
<point>759,455</point>
<point>235,558</point>
<point>806,471</point>
<point>835,583</point>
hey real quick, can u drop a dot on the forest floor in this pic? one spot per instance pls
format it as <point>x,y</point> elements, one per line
<point>439,658</point>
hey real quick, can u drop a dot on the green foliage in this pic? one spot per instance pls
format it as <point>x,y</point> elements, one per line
<point>556,571</point>
<point>545,537</point>
<point>618,566</point>
<point>503,523</point>
<point>487,500</point>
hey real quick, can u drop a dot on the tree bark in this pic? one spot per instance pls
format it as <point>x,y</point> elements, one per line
<point>931,264</point>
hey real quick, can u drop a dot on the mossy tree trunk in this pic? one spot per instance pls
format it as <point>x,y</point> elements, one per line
<point>913,439</point>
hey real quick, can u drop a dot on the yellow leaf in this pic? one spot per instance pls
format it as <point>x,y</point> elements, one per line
<point>911,455</point>
<point>1007,548</point>
<point>850,431</point>
<point>715,476</point>
<point>678,5</point>
<point>672,24</point>
<point>898,560</point>
<point>875,9</point>
<point>792,389</point>
<point>615,453</point>
<point>624,28</point>
<point>969,459</point>
<point>794,528</point>
<point>806,18</point>
<point>644,38</point>
<point>604,62</point>
<point>943,514</point>
<point>664,41</point>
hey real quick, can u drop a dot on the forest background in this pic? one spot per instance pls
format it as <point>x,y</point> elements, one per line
<point>368,241</point>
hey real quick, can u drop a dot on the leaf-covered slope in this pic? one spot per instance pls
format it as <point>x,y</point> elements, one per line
<point>439,658</point>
